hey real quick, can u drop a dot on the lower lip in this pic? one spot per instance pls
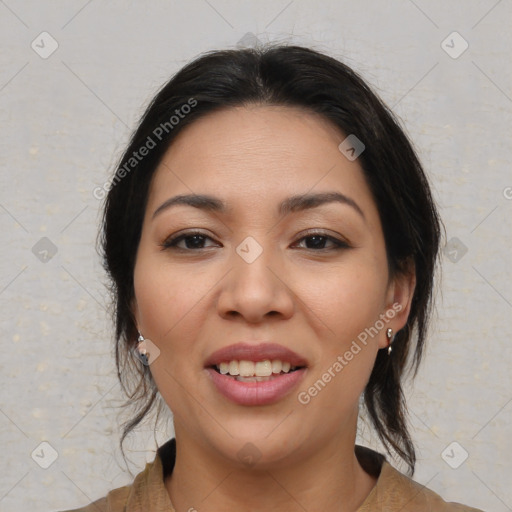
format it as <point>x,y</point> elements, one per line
<point>256,393</point>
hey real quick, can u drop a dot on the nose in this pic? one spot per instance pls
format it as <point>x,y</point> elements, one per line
<point>256,290</point>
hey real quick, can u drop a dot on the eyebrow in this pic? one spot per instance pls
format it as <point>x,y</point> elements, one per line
<point>289,205</point>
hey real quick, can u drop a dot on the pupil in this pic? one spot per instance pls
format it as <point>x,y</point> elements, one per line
<point>320,240</point>
<point>199,239</point>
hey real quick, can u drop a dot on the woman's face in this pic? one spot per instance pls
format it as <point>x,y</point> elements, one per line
<point>303,276</point>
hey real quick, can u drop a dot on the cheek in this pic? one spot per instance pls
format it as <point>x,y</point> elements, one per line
<point>165,297</point>
<point>167,301</point>
<point>346,299</point>
<point>347,302</point>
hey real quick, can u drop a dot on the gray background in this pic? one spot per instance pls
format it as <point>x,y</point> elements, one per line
<point>65,120</point>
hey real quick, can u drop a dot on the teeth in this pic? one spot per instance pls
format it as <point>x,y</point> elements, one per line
<point>252,379</point>
<point>263,368</point>
<point>251,369</point>
<point>246,368</point>
<point>277,366</point>
<point>233,368</point>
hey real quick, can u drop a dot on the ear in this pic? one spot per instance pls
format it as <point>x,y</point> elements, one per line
<point>399,297</point>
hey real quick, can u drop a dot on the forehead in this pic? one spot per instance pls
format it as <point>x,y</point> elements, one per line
<point>266,132</point>
<point>254,155</point>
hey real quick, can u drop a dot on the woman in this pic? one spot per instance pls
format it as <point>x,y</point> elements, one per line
<point>272,240</point>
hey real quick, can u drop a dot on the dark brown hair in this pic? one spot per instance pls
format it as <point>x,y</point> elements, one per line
<point>299,77</point>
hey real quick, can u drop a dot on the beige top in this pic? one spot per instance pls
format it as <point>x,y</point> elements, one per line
<point>392,492</point>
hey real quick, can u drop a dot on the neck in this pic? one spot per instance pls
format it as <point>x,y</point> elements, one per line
<point>328,478</point>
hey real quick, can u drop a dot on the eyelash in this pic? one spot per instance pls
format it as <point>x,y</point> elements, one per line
<point>171,242</point>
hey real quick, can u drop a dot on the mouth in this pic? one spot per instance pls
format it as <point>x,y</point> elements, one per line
<point>255,374</point>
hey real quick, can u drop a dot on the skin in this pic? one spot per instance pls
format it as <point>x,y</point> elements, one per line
<point>311,298</point>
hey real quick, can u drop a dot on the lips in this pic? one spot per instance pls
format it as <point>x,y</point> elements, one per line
<point>259,391</point>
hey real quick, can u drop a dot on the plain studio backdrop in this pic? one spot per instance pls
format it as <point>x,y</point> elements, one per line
<point>75,77</point>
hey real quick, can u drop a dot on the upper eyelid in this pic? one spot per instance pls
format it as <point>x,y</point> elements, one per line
<point>175,237</point>
<point>190,232</point>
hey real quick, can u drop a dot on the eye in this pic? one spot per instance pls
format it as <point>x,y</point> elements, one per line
<point>318,239</point>
<point>193,240</point>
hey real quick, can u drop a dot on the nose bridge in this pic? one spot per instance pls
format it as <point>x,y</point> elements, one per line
<point>251,262</point>
<point>252,288</point>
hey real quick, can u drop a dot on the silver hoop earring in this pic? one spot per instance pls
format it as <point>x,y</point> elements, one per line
<point>389,335</point>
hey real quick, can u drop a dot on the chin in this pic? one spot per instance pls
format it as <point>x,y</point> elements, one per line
<point>256,449</point>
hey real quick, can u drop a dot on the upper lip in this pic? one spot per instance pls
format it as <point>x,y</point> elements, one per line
<point>256,353</point>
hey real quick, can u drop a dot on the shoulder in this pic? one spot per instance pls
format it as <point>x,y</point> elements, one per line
<point>114,501</point>
<point>147,491</point>
<point>396,491</point>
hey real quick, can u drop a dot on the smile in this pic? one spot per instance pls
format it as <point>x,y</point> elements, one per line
<point>255,374</point>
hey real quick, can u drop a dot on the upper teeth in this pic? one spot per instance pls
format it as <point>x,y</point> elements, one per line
<point>251,369</point>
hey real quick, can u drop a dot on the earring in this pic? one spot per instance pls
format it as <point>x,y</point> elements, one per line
<point>389,335</point>
<point>141,350</point>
